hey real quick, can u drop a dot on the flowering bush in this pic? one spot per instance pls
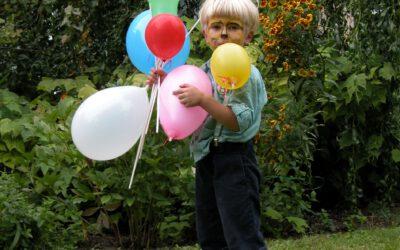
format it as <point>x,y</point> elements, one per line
<point>287,27</point>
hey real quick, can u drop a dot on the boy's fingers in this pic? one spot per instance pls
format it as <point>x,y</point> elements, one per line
<point>177,92</point>
<point>185,85</point>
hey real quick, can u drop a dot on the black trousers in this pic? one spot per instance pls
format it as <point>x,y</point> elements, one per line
<point>227,198</point>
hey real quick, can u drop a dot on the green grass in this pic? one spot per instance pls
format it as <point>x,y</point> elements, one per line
<point>379,239</point>
<point>372,239</point>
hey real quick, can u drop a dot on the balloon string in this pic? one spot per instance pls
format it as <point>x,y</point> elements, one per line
<point>154,97</point>
<point>160,65</point>
<point>193,27</point>
<point>143,135</point>
<point>145,130</point>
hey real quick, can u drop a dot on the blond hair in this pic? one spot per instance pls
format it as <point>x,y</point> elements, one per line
<point>244,10</point>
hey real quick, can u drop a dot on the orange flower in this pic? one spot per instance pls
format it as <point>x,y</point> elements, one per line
<point>273,4</point>
<point>293,25</point>
<point>270,42</point>
<point>287,127</point>
<point>287,7</point>
<point>273,123</point>
<point>272,58</point>
<point>281,117</point>
<point>302,72</point>
<point>263,3</point>
<point>280,136</point>
<point>309,18</point>
<point>311,73</point>
<point>286,66</point>
<point>264,20</point>
<point>312,6</point>
<point>277,27</point>
<point>304,22</point>
<point>299,11</point>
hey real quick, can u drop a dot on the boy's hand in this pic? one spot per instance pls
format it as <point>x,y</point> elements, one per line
<point>189,95</point>
<point>153,77</point>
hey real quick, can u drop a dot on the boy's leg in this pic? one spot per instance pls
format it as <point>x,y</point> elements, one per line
<point>237,181</point>
<point>208,222</point>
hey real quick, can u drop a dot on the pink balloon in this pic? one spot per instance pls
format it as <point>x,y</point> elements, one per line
<point>178,121</point>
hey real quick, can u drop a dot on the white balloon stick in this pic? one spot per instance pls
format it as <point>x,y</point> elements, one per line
<point>193,27</point>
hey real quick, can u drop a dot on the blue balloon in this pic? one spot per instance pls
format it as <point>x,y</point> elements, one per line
<point>138,52</point>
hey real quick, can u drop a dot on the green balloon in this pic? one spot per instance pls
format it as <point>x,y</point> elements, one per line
<point>164,6</point>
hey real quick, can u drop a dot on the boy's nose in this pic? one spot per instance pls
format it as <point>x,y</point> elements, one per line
<point>224,31</point>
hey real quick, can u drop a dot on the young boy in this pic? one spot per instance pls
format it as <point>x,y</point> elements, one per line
<point>227,175</point>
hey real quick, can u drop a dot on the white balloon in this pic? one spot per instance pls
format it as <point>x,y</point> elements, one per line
<point>108,123</point>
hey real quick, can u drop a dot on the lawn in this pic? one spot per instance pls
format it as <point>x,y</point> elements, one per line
<point>372,239</point>
<point>379,239</point>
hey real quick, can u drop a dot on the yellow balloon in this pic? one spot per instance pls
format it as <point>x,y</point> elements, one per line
<point>230,66</point>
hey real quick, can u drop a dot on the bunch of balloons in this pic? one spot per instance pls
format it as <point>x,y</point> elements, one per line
<point>158,33</point>
<point>111,121</point>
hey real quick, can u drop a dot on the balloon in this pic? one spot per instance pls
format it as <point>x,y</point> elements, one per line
<point>164,6</point>
<point>230,66</point>
<point>138,52</point>
<point>177,121</point>
<point>109,122</point>
<point>165,35</point>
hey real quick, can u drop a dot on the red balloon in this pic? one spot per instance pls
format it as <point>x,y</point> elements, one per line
<point>165,35</point>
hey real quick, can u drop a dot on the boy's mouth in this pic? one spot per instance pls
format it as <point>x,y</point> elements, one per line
<point>218,43</point>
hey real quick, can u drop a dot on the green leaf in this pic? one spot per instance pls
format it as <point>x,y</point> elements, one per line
<point>300,224</point>
<point>353,85</point>
<point>348,138</point>
<point>387,72</point>
<point>47,84</point>
<point>372,72</point>
<point>254,52</point>
<point>375,142</point>
<point>82,81</point>
<point>6,126</point>
<point>378,95</point>
<point>105,199</point>
<point>344,65</point>
<point>14,107</point>
<point>65,106</point>
<point>68,84</point>
<point>374,145</point>
<point>86,91</point>
<point>396,155</point>
<point>112,207</point>
<point>195,61</point>
<point>90,211</point>
<point>273,214</point>
<point>103,220</point>
<point>282,81</point>
<point>44,168</point>
<point>138,80</point>
<point>15,144</point>
<point>129,201</point>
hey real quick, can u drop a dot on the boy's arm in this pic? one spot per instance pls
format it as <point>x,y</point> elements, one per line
<point>221,113</point>
<point>190,96</point>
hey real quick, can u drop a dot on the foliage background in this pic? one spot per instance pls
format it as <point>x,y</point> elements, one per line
<point>328,144</point>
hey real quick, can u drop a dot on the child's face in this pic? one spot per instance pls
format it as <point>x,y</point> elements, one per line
<point>222,30</point>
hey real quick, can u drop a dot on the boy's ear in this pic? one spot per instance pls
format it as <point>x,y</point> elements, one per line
<point>204,33</point>
<point>249,37</point>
